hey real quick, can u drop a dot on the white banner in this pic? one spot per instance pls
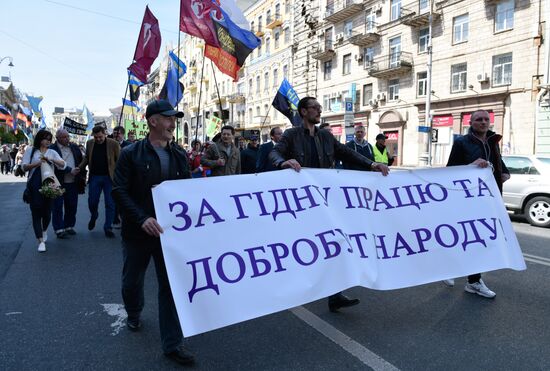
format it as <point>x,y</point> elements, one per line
<point>239,247</point>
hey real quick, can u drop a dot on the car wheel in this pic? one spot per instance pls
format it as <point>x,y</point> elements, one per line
<point>537,211</point>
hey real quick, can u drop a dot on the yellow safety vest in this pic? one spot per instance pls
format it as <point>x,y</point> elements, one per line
<point>380,157</point>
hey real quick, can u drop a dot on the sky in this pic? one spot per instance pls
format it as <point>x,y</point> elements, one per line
<point>75,52</point>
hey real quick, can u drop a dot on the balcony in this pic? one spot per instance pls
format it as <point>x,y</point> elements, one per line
<point>216,99</point>
<point>259,32</point>
<point>192,87</point>
<point>413,16</point>
<point>274,22</point>
<point>325,54</point>
<point>236,98</point>
<point>390,65</point>
<point>342,9</point>
<point>365,37</point>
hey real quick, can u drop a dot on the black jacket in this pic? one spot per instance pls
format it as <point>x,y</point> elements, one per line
<point>249,156</point>
<point>60,174</point>
<point>366,151</point>
<point>468,148</point>
<point>295,145</point>
<point>263,164</point>
<point>137,171</point>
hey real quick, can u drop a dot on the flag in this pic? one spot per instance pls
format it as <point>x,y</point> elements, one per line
<point>42,120</point>
<point>26,111</point>
<point>88,119</point>
<point>286,101</point>
<point>35,104</point>
<point>129,107</point>
<point>134,84</point>
<point>172,90</point>
<point>179,65</point>
<point>4,110</point>
<point>213,126</point>
<point>25,121</point>
<point>227,45</point>
<point>148,46</point>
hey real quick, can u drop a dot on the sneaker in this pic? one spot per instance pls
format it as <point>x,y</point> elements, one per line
<point>181,356</point>
<point>479,288</point>
<point>116,225</point>
<point>133,324</point>
<point>41,247</point>
<point>339,300</point>
<point>44,236</point>
<point>70,231</point>
<point>61,234</point>
<point>449,283</point>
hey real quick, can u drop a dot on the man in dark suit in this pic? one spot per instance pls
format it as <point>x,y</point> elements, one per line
<point>263,164</point>
<point>101,156</point>
<point>63,225</point>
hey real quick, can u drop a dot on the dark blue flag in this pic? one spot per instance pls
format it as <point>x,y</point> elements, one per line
<point>286,101</point>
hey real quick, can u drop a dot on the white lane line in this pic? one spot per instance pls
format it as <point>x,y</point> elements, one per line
<point>537,261</point>
<point>366,356</point>
<point>536,257</point>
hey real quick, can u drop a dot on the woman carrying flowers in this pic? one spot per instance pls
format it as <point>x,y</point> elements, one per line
<point>42,185</point>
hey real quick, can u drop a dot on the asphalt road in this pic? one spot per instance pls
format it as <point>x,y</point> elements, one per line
<point>62,310</point>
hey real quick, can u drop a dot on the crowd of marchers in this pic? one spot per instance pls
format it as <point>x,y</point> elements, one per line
<point>125,172</point>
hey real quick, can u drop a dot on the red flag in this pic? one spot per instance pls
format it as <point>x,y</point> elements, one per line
<point>148,46</point>
<point>195,20</point>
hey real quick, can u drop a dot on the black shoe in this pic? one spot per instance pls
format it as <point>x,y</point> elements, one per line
<point>109,234</point>
<point>91,224</point>
<point>70,231</point>
<point>181,356</point>
<point>61,235</point>
<point>133,323</point>
<point>339,300</point>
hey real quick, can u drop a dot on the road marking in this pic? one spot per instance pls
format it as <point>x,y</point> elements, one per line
<point>536,261</point>
<point>116,310</point>
<point>536,257</point>
<point>12,313</point>
<point>366,356</point>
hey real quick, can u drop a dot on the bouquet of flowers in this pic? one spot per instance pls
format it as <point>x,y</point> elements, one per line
<point>51,188</point>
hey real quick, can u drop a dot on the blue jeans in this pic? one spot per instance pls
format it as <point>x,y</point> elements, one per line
<point>98,183</point>
<point>69,201</point>
<point>136,257</point>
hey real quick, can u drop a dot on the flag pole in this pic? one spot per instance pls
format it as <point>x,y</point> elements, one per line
<point>263,122</point>
<point>217,91</point>
<point>178,79</point>
<point>124,101</point>
<point>200,96</point>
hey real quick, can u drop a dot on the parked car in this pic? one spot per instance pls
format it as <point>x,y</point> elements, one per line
<point>528,190</point>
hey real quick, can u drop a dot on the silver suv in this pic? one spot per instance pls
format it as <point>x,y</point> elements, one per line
<point>528,190</point>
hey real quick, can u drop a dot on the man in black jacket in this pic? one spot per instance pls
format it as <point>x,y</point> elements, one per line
<point>308,146</point>
<point>263,164</point>
<point>479,147</point>
<point>249,156</point>
<point>69,178</point>
<point>140,167</point>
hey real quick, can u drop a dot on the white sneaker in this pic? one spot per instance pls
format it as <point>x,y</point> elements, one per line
<point>41,247</point>
<point>44,236</point>
<point>449,283</point>
<point>479,288</point>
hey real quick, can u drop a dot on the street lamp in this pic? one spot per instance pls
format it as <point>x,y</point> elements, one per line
<point>8,58</point>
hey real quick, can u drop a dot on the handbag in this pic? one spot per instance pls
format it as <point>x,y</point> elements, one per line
<point>27,192</point>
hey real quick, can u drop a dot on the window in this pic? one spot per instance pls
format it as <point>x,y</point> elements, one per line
<point>285,71</point>
<point>393,89</point>
<point>520,165</point>
<point>502,69</point>
<point>275,77</point>
<point>395,51</point>
<point>258,113</point>
<point>266,109</point>
<point>326,100</point>
<point>287,6</point>
<point>268,17</point>
<point>287,35</point>
<point>460,29</point>
<point>257,84</point>
<point>327,71</point>
<point>267,46</point>
<point>250,86</point>
<point>348,29</point>
<point>346,64</point>
<point>370,20</point>
<point>423,6</point>
<point>278,11</point>
<point>259,50</point>
<point>277,34</point>
<point>260,23</point>
<point>458,77</point>
<point>422,84</point>
<point>368,55</point>
<point>266,81</point>
<point>252,26</point>
<point>250,115</point>
<point>504,18</point>
<point>367,94</point>
<point>423,38</point>
<point>395,10</point>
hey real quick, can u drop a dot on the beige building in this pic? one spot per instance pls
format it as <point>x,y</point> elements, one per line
<point>486,54</point>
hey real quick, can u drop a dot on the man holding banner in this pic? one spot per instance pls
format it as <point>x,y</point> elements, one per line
<point>142,166</point>
<point>309,146</point>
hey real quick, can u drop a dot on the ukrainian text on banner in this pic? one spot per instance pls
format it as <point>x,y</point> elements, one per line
<point>239,247</point>
<point>74,127</point>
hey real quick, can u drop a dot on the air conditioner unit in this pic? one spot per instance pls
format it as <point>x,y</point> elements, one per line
<point>381,96</point>
<point>373,102</point>
<point>483,77</point>
<point>339,37</point>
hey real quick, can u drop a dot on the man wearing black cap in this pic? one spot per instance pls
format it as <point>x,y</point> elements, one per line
<point>381,152</point>
<point>249,156</point>
<point>140,167</point>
